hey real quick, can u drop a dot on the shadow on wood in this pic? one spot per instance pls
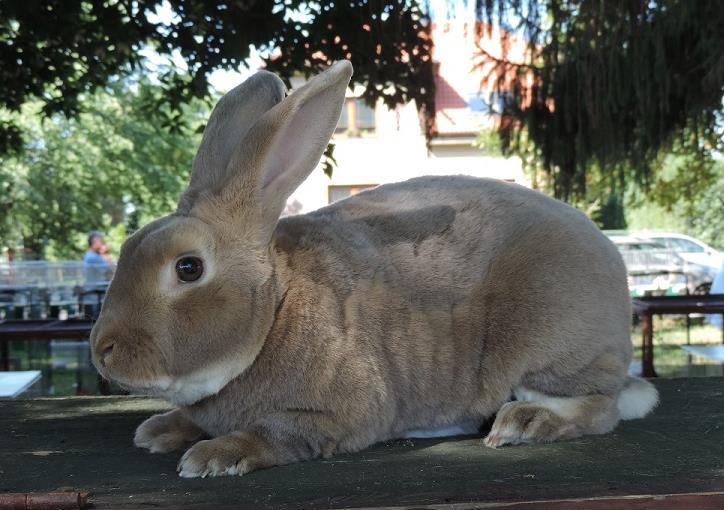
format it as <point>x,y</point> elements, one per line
<point>85,443</point>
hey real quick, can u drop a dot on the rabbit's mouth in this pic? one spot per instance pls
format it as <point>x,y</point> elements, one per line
<point>150,378</point>
<point>186,389</point>
<point>138,387</point>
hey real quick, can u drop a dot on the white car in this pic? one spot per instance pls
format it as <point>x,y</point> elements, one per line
<point>654,269</point>
<point>688,248</point>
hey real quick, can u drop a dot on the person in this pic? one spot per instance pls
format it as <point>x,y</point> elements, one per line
<point>98,266</point>
<point>97,253</point>
<point>97,261</point>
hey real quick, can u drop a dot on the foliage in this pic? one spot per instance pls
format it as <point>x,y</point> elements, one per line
<point>609,215</point>
<point>608,86</point>
<point>699,214</point>
<point>611,98</point>
<point>110,166</point>
<point>706,220</point>
<point>59,50</point>
<point>698,211</point>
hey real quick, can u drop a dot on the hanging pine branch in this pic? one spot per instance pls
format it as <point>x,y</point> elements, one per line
<point>608,84</point>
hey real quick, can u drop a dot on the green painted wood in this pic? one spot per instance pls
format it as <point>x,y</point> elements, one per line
<point>85,443</point>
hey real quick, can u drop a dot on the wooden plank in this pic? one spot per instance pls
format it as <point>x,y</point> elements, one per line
<point>704,501</point>
<point>44,328</point>
<point>708,303</point>
<point>85,443</point>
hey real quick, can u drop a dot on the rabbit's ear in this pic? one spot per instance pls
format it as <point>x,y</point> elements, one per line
<point>285,145</point>
<point>233,116</point>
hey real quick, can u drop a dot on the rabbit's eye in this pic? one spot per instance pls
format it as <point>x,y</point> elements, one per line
<point>189,269</point>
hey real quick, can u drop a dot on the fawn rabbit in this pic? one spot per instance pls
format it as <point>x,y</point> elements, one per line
<point>417,306</point>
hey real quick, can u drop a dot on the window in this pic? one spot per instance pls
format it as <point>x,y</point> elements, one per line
<point>335,192</point>
<point>686,246</point>
<point>365,116</point>
<point>356,116</point>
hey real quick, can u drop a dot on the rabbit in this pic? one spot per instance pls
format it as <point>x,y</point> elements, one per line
<point>421,307</point>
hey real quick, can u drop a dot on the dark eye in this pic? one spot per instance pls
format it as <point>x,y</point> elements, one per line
<point>189,269</point>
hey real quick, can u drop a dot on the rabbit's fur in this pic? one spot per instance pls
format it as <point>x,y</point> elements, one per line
<point>413,306</point>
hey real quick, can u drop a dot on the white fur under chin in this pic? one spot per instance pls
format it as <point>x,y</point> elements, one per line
<point>637,399</point>
<point>191,388</point>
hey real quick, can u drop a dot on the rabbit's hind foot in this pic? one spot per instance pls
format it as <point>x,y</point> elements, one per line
<point>537,418</point>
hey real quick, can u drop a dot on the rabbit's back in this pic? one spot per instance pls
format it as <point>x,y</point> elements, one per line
<point>426,302</point>
<point>442,237</point>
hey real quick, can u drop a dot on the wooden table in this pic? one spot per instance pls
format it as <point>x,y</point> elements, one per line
<point>85,443</point>
<point>647,307</point>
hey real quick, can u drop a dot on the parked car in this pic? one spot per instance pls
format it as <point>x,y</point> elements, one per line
<point>689,248</point>
<point>655,269</point>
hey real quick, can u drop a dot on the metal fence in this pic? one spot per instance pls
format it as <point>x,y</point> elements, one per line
<point>41,289</point>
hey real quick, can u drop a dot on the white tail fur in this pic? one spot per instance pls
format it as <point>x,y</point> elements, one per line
<point>637,398</point>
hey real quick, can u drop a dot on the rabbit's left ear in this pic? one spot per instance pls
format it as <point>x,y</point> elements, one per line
<point>285,145</point>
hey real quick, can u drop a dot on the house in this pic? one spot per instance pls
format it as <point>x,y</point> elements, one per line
<point>378,145</point>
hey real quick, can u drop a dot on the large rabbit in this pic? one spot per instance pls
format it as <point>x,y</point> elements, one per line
<point>421,307</point>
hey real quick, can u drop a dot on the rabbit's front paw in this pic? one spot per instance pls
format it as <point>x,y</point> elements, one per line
<point>234,454</point>
<point>162,433</point>
<point>527,422</point>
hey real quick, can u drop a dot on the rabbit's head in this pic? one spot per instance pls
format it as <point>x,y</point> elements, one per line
<point>194,293</point>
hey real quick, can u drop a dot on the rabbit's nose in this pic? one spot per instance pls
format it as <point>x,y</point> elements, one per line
<point>104,350</point>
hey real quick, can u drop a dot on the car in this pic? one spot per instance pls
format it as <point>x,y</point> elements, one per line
<point>655,269</point>
<point>689,248</point>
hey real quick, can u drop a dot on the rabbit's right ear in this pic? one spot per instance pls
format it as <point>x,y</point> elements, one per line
<point>235,113</point>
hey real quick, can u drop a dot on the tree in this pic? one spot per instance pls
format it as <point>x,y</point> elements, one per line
<point>705,217</point>
<point>57,51</point>
<point>111,165</point>
<point>697,205</point>
<point>606,88</point>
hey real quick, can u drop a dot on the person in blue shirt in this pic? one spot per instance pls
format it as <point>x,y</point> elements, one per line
<point>97,260</point>
<point>98,266</point>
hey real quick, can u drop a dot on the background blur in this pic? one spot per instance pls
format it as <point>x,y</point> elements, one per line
<point>614,107</point>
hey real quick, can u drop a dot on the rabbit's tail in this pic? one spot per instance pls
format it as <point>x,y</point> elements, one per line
<point>637,398</point>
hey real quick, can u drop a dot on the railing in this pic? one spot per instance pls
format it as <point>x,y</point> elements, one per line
<point>41,289</point>
<point>45,273</point>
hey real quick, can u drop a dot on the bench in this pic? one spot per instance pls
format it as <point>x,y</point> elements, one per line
<point>647,307</point>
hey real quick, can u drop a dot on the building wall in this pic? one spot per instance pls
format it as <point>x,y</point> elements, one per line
<point>396,150</point>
